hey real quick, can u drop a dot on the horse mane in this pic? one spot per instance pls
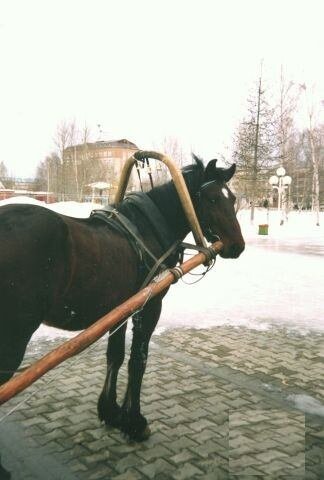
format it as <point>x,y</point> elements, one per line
<point>193,175</point>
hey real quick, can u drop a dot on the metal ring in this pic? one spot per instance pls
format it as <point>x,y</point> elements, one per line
<point>177,273</point>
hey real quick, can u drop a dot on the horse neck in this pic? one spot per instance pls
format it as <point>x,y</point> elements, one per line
<point>168,202</point>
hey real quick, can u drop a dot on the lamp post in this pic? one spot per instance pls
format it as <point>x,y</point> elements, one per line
<point>280,182</point>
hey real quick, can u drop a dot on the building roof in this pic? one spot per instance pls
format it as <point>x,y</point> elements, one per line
<point>123,143</point>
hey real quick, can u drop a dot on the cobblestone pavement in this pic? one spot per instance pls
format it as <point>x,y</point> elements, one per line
<point>222,404</point>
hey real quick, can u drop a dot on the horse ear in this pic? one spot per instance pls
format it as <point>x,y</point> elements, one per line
<point>210,172</point>
<point>228,173</point>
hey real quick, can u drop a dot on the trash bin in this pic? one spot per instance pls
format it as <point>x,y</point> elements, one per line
<point>263,229</point>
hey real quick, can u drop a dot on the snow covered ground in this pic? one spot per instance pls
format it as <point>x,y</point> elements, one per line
<point>277,281</point>
<point>73,209</point>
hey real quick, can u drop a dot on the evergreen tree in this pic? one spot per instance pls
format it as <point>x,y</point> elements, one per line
<point>254,145</point>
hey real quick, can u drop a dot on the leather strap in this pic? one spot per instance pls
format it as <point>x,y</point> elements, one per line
<point>119,222</point>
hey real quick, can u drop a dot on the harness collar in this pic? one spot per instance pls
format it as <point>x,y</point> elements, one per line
<point>115,219</point>
<point>150,211</point>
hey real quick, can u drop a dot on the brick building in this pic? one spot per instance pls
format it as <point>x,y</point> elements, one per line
<point>100,161</point>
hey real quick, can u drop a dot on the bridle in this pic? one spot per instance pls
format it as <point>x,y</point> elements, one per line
<point>206,229</point>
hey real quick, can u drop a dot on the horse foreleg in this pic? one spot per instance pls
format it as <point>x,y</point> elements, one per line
<point>134,424</point>
<point>108,409</point>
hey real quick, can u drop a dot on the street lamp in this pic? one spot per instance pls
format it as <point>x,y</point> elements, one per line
<point>280,182</point>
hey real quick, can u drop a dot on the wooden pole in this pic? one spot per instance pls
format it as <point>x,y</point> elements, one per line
<point>87,337</point>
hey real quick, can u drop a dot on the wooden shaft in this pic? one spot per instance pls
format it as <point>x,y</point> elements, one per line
<point>87,337</point>
<point>179,183</point>
<point>124,179</point>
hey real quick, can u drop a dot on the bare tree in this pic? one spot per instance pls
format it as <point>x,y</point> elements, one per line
<point>314,141</point>
<point>48,174</point>
<point>300,169</point>
<point>3,170</point>
<point>170,146</point>
<point>78,167</point>
<point>285,130</point>
<point>285,110</point>
<point>62,139</point>
<point>90,169</point>
<point>74,173</point>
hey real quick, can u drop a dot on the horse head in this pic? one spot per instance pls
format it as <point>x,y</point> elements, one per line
<point>215,206</point>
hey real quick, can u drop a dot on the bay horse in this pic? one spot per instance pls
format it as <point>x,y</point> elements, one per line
<point>68,272</point>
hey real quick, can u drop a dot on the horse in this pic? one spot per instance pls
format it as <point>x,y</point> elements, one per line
<point>68,272</point>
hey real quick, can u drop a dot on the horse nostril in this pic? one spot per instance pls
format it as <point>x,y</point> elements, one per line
<point>236,249</point>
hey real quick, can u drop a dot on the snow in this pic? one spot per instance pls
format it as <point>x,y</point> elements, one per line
<point>307,404</point>
<point>22,199</point>
<point>72,209</point>
<point>277,282</point>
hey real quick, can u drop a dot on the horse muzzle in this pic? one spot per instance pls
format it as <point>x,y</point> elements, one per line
<point>233,250</point>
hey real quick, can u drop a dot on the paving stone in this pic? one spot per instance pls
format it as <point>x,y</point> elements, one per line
<point>157,451</point>
<point>129,475</point>
<point>187,471</point>
<point>218,420</point>
<point>127,462</point>
<point>151,470</point>
<point>268,457</point>
<point>181,443</point>
<point>218,474</point>
<point>207,448</point>
<point>204,435</point>
<point>100,474</point>
<point>238,466</point>
<point>182,457</point>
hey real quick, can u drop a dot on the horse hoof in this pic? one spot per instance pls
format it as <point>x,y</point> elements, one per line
<point>145,434</point>
<point>138,437</point>
<point>110,421</point>
<point>110,415</point>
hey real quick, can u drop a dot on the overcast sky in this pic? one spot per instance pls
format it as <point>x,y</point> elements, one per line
<point>144,69</point>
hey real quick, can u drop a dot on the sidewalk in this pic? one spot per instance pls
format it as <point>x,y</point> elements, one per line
<point>222,403</point>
